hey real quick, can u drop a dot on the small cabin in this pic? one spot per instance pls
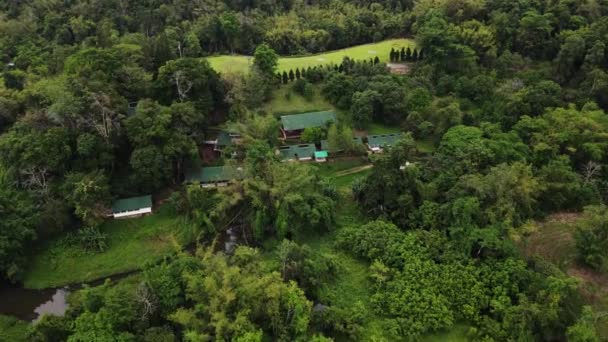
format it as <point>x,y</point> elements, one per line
<point>292,126</point>
<point>321,156</point>
<point>214,176</point>
<point>377,143</point>
<point>132,207</point>
<point>302,152</point>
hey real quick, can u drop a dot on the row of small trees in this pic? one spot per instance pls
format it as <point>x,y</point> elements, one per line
<point>291,76</point>
<point>405,55</point>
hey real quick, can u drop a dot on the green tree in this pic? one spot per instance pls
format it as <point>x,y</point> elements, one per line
<point>17,227</point>
<point>313,135</point>
<point>584,329</point>
<point>364,106</point>
<point>265,59</point>
<point>592,237</point>
<point>190,79</point>
<point>89,195</point>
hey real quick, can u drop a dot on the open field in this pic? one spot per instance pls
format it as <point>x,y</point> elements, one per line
<point>132,243</point>
<point>239,63</point>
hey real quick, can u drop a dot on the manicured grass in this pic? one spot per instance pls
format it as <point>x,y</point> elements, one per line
<point>13,329</point>
<point>237,63</point>
<point>282,103</point>
<point>132,243</point>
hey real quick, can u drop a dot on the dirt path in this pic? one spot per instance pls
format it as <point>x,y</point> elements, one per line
<point>353,170</point>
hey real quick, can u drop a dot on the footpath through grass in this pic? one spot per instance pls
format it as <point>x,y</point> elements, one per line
<point>239,63</point>
<point>132,243</point>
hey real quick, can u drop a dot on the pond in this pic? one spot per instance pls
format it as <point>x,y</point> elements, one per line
<point>29,305</point>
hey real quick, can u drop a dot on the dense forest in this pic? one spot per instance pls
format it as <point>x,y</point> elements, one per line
<point>503,115</point>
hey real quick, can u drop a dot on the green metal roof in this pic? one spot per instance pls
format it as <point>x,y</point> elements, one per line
<point>132,203</point>
<point>224,139</point>
<point>297,151</point>
<point>383,140</point>
<point>320,154</point>
<point>306,120</point>
<point>212,174</point>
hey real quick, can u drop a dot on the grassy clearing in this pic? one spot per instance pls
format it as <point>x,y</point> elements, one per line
<point>286,101</point>
<point>132,243</point>
<point>237,63</point>
<point>554,242</point>
<point>13,329</point>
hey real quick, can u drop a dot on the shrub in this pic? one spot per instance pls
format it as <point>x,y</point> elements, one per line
<point>91,239</point>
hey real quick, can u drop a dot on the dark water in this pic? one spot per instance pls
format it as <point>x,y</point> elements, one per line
<point>29,305</point>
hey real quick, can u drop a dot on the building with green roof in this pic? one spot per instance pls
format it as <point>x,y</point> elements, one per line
<point>222,139</point>
<point>377,143</point>
<point>132,206</point>
<point>321,156</point>
<point>297,152</point>
<point>293,125</point>
<point>212,176</point>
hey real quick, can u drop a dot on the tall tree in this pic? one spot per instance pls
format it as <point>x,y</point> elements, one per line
<point>265,59</point>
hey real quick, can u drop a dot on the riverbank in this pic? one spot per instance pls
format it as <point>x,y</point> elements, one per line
<point>132,244</point>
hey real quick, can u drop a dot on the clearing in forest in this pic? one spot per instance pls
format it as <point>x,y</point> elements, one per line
<point>554,242</point>
<point>240,63</point>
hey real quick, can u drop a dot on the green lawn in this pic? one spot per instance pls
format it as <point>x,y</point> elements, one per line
<point>239,63</point>
<point>286,101</point>
<point>13,329</point>
<point>132,243</point>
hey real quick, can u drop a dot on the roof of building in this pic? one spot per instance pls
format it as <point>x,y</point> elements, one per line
<point>320,154</point>
<point>382,140</point>
<point>212,174</point>
<point>306,120</point>
<point>297,151</point>
<point>224,139</point>
<point>325,144</point>
<point>132,203</point>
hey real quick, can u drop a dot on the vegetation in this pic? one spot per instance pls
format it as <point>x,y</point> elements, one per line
<point>131,244</point>
<point>502,106</point>
<point>361,52</point>
<point>12,329</point>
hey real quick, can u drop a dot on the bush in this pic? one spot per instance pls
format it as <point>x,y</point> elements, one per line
<point>592,237</point>
<point>91,239</point>
<point>304,88</point>
<point>313,135</point>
